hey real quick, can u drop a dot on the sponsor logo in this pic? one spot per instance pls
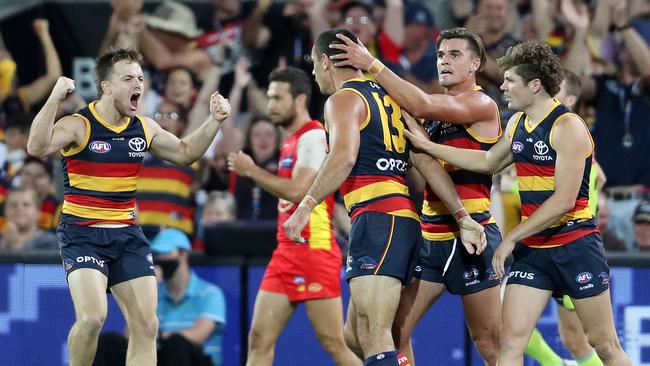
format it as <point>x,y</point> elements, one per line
<point>604,277</point>
<point>591,285</point>
<point>287,163</point>
<point>418,269</point>
<point>300,288</point>
<point>100,147</point>
<point>87,258</point>
<point>528,139</point>
<point>471,273</point>
<point>367,263</point>
<point>541,148</point>
<point>584,277</point>
<point>517,147</point>
<point>314,287</point>
<point>298,280</point>
<point>475,282</point>
<point>384,164</point>
<point>381,356</point>
<point>67,264</point>
<point>492,275</point>
<point>118,139</point>
<point>137,144</point>
<point>150,258</point>
<point>522,275</point>
<point>137,154</point>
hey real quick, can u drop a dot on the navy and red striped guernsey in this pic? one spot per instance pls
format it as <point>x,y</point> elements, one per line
<point>535,159</point>
<point>377,180</point>
<point>436,221</point>
<point>100,175</point>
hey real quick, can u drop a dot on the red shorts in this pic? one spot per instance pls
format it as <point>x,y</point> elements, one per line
<point>303,273</point>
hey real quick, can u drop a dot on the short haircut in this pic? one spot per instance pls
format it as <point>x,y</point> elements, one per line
<point>534,60</point>
<point>573,83</point>
<point>105,64</point>
<point>298,80</point>
<point>325,39</point>
<point>474,42</point>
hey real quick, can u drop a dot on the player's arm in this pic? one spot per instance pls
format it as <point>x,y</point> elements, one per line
<point>46,137</point>
<point>572,143</point>
<point>462,109</point>
<point>486,162</point>
<point>310,155</point>
<point>190,148</point>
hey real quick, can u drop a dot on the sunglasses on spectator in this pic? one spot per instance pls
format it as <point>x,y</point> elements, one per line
<point>357,20</point>
<point>160,115</point>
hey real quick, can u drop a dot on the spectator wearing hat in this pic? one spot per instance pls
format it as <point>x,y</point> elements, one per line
<point>642,226</point>
<point>191,311</point>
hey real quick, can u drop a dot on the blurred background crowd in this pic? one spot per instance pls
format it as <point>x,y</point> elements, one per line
<point>191,49</point>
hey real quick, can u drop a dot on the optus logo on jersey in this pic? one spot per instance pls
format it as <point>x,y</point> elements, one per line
<point>100,147</point>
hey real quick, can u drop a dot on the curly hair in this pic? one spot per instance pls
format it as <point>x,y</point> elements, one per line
<point>533,60</point>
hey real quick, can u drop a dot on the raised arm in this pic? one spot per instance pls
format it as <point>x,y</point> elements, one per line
<point>46,137</point>
<point>572,143</point>
<point>463,108</point>
<point>486,162</point>
<point>393,24</point>
<point>344,112</point>
<point>190,148</point>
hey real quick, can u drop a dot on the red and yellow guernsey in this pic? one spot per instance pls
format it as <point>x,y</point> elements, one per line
<point>101,174</point>
<point>437,223</point>
<point>377,180</point>
<point>318,232</point>
<point>535,159</point>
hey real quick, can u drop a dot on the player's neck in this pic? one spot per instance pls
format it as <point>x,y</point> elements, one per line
<point>539,109</point>
<point>300,120</point>
<point>466,85</point>
<point>108,112</point>
<point>344,75</point>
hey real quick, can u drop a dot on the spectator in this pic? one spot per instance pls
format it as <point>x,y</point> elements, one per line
<point>165,190</point>
<point>37,174</point>
<point>220,207</point>
<point>262,143</point>
<point>642,226</point>
<point>21,232</point>
<point>610,241</point>
<point>180,87</point>
<point>16,134</point>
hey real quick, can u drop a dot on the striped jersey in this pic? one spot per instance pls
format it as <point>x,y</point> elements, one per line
<point>164,195</point>
<point>436,222</point>
<point>377,180</point>
<point>535,159</point>
<point>318,232</point>
<point>101,174</point>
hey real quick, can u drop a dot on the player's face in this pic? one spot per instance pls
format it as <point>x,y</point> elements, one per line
<point>455,62</point>
<point>179,87</point>
<point>281,105</point>
<point>517,92</point>
<point>323,79</point>
<point>126,85</point>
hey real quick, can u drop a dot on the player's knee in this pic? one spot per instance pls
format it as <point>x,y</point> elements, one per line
<point>488,348</point>
<point>332,344</point>
<point>575,342</point>
<point>513,341</point>
<point>91,323</point>
<point>144,329</point>
<point>606,345</point>
<point>258,339</point>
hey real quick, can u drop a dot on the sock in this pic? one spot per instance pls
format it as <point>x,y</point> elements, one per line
<point>388,358</point>
<point>404,361</point>
<point>538,349</point>
<point>590,359</point>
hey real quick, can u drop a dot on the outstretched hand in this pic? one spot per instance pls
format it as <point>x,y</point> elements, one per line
<point>354,54</point>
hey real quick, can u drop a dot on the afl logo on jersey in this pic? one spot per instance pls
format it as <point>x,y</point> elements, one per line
<point>100,147</point>
<point>584,277</point>
<point>517,147</point>
<point>137,144</point>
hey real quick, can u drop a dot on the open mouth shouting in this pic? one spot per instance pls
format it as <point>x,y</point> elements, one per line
<point>135,98</point>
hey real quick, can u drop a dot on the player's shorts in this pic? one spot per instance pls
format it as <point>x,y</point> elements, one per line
<point>448,262</point>
<point>565,302</point>
<point>303,273</point>
<point>577,269</point>
<point>383,244</point>
<point>121,254</point>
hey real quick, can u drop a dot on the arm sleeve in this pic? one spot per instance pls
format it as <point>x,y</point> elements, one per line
<point>312,149</point>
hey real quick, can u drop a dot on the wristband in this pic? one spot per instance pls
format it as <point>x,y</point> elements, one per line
<point>308,202</point>
<point>460,213</point>
<point>376,67</point>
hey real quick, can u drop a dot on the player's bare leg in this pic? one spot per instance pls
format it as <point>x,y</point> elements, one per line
<point>271,313</point>
<point>595,313</point>
<point>483,318</point>
<point>572,333</point>
<point>326,316</point>
<point>88,291</point>
<point>417,299</point>
<point>375,300</point>
<point>522,306</point>
<point>138,299</point>
<point>350,331</point>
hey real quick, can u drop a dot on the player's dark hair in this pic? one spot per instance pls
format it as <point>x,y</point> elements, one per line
<point>474,42</point>
<point>298,80</point>
<point>325,39</point>
<point>105,63</point>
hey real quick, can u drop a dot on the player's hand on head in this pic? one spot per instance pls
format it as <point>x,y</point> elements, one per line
<point>500,255</point>
<point>472,235</point>
<point>219,107</point>
<point>354,54</point>
<point>240,163</point>
<point>416,134</point>
<point>62,88</point>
